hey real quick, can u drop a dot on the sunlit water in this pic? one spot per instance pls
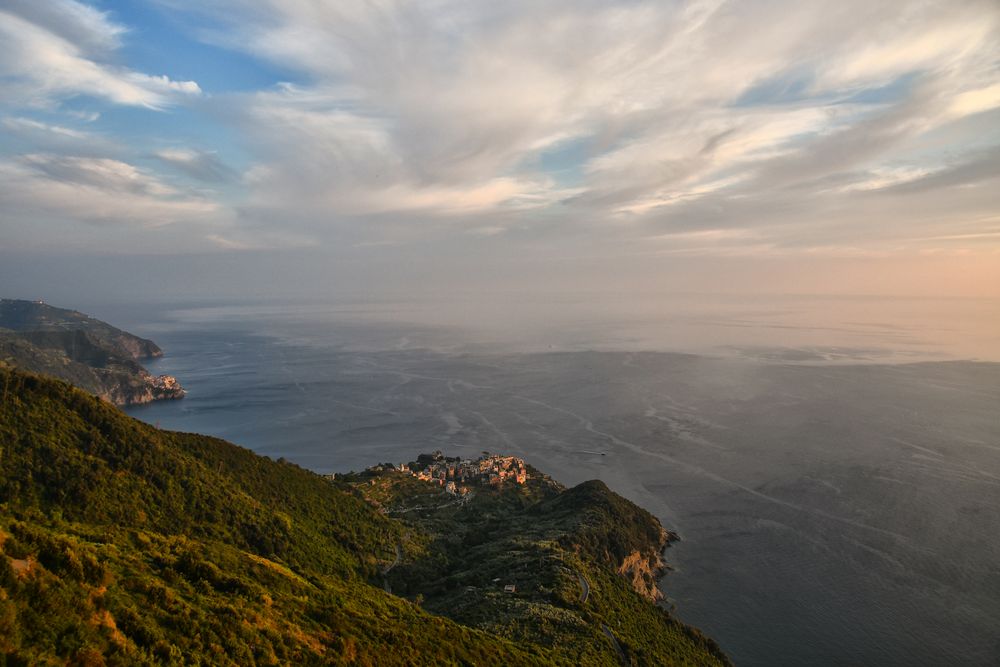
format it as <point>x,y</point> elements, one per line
<point>835,509</point>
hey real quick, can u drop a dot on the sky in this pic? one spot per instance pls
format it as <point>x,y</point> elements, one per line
<point>296,146</point>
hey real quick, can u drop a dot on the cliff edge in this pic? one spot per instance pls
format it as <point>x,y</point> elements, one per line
<point>87,352</point>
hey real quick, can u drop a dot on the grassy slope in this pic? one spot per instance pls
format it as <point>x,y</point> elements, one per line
<point>126,544</point>
<point>541,538</point>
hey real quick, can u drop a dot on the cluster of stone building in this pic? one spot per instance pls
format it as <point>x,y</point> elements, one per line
<point>456,474</point>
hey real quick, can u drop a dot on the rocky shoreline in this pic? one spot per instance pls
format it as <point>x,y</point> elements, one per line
<point>82,350</point>
<point>645,569</point>
<point>127,391</point>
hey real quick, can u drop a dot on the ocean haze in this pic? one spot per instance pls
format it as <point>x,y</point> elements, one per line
<point>767,327</point>
<point>836,506</point>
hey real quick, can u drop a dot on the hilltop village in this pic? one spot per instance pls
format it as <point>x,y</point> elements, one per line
<point>457,475</point>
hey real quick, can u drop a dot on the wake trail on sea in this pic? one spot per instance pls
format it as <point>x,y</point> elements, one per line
<point>715,477</point>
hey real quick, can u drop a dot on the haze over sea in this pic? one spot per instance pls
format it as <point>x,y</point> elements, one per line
<point>831,464</point>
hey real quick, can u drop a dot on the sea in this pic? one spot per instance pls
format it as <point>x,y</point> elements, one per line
<point>831,464</point>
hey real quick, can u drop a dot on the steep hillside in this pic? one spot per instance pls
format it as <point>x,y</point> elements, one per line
<point>571,569</point>
<point>124,544</point>
<point>91,354</point>
<point>22,316</point>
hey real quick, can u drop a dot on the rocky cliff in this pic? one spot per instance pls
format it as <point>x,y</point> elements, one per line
<point>643,568</point>
<point>91,354</point>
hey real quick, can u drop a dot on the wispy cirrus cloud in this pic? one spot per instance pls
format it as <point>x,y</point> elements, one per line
<point>86,203</point>
<point>58,172</point>
<point>97,190</point>
<point>53,50</point>
<point>17,124</point>
<point>200,165</point>
<point>709,126</point>
<point>706,111</point>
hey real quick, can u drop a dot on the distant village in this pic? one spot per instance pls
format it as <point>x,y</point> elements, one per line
<point>457,475</point>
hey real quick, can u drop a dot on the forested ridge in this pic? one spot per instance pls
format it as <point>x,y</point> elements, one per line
<point>125,544</point>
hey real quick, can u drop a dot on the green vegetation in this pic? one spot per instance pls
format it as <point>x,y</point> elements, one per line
<point>542,539</point>
<point>28,316</point>
<point>123,544</point>
<point>91,354</point>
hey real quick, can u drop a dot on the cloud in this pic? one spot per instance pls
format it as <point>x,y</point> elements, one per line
<point>199,165</point>
<point>31,126</point>
<point>107,175</point>
<point>981,167</point>
<point>91,30</point>
<point>99,191</point>
<point>53,51</point>
<point>445,108</point>
<point>321,159</point>
<point>710,126</point>
<point>90,204</point>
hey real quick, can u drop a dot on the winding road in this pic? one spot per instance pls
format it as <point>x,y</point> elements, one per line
<point>584,586</point>
<point>618,647</point>
<point>584,594</point>
<point>388,568</point>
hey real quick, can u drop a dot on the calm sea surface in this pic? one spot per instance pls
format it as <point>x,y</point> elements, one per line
<point>832,466</point>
